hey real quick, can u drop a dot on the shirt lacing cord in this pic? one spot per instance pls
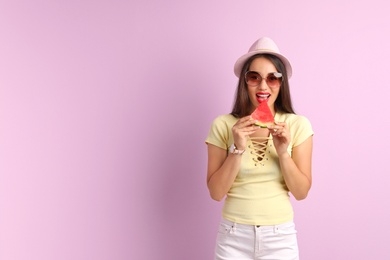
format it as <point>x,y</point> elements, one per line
<point>258,149</point>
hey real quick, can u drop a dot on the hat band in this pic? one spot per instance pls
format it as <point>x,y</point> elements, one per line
<point>269,50</point>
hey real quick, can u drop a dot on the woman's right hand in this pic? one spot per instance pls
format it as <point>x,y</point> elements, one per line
<point>242,129</point>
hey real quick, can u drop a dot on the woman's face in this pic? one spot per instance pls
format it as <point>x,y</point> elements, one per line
<point>263,92</point>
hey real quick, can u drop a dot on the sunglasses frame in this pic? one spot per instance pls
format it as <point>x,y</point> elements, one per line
<point>277,75</point>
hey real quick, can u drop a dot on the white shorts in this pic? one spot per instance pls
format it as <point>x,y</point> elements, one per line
<point>245,242</point>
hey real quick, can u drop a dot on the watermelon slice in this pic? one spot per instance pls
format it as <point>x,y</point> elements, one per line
<point>263,115</point>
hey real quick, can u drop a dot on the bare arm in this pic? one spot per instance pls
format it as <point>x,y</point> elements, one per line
<point>296,169</point>
<point>223,167</point>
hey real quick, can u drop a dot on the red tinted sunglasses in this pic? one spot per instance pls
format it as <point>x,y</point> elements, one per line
<point>273,79</point>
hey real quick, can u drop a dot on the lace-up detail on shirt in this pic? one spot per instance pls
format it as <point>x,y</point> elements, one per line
<point>259,149</point>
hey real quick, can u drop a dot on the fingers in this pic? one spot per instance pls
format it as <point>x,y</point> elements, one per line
<point>279,129</point>
<point>244,123</point>
<point>247,120</point>
<point>243,128</point>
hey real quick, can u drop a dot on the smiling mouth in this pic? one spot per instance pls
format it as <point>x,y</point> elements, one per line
<point>262,96</point>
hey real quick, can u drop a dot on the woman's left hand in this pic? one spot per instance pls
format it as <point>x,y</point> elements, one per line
<point>281,137</point>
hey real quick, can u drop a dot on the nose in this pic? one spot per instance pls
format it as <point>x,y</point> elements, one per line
<point>263,84</point>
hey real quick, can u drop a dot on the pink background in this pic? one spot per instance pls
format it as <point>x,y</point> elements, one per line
<point>105,105</point>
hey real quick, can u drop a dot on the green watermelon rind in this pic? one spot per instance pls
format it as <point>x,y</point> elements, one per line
<point>262,125</point>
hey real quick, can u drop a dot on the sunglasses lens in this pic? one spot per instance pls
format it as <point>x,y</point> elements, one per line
<point>252,78</point>
<point>274,80</point>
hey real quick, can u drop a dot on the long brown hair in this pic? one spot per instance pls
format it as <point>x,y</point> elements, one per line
<point>242,104</point>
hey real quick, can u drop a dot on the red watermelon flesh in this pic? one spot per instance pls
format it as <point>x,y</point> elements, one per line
<point>263,115</point>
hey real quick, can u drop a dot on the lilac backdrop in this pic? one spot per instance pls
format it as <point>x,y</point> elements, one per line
<point>105,105</point>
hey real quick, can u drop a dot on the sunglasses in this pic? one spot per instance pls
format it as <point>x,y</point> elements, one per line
<point>273,79</point>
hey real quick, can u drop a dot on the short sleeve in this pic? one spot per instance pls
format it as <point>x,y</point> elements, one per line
<point>219,133</point>
<point>300,130</point>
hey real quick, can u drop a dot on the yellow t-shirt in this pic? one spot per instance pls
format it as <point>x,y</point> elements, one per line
<point>259,195</point>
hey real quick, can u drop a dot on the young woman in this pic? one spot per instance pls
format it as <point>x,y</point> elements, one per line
<point>255,169</point>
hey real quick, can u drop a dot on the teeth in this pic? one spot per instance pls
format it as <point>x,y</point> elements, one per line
<point>262,96</point>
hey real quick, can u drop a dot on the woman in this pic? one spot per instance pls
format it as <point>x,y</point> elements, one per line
<point>256,168</point>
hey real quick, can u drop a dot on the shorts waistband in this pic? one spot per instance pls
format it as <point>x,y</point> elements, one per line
<point>251,227</point>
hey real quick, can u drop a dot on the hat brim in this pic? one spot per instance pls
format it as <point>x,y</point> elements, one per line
<point>241,61</point>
